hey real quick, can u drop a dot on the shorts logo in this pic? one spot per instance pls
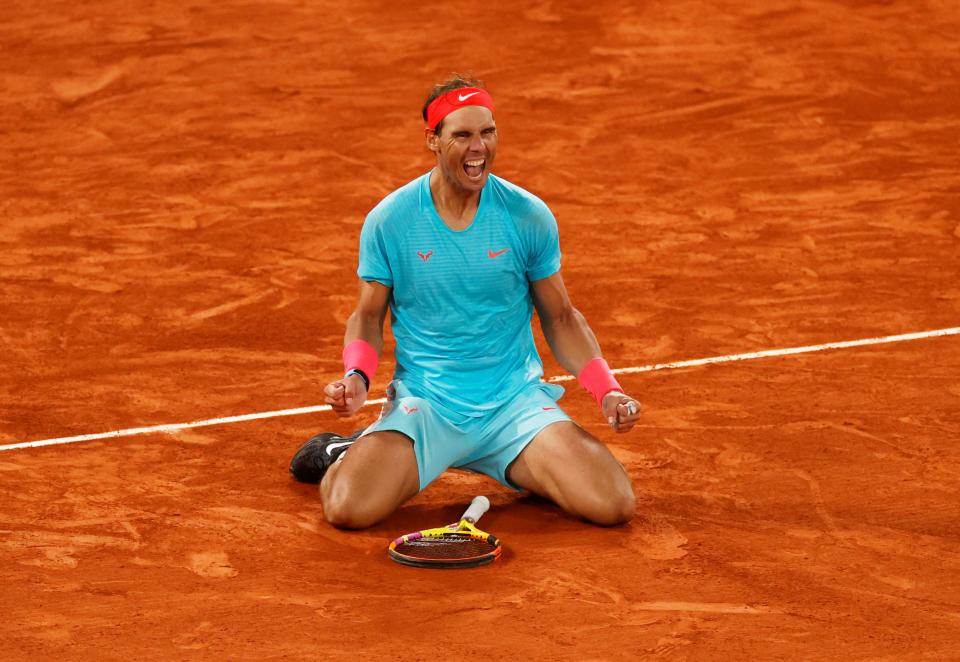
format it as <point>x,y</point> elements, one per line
<point>492,255</point>
<point>409,410</point>
<point>549,408</point>
<point>424,257</point>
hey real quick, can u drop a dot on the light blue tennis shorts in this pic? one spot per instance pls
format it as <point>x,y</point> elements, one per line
<point>486,445</point>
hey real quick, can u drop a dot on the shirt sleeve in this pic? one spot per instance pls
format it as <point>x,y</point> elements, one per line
<point>374,264</point>
<point>543,257</point>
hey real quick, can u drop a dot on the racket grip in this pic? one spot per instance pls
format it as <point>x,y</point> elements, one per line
<point>478,507</point>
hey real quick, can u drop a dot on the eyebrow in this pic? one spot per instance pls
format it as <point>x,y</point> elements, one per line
<point>467,132</point>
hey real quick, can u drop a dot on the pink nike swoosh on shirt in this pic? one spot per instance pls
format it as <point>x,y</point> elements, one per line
<point>491,254</point>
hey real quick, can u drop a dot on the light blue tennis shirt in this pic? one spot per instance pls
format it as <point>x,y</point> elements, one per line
<point>461,304</point>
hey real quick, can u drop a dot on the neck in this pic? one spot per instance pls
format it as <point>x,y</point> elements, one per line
<point>456,206</point>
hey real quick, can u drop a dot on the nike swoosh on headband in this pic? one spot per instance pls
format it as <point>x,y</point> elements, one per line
<point>446,103</point>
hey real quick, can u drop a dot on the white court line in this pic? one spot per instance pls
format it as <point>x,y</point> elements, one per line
<point>729,358</point>
<point>806,349</point>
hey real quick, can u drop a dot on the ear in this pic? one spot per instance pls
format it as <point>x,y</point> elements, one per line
<point>432,139</point>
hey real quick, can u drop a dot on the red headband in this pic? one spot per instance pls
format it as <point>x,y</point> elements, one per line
<point>453,100</point>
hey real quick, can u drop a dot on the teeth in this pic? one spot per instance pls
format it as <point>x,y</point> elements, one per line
<point>475,163</point>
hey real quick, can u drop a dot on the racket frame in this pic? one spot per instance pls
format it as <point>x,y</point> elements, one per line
<point>465,527</point>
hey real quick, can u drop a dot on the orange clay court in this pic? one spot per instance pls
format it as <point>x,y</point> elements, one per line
<point>181,190</point>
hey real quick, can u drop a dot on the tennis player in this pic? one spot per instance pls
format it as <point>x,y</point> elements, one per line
<point>460,258</point>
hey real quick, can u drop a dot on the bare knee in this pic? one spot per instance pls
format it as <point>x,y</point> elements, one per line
<point>374,477</point>
<point>611,502</point>
<point>343,511</point>
<point>616,508</point>
<point>345,507</point>
<point>575,470</point>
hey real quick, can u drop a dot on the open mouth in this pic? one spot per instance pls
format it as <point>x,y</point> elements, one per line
<point>474,169</point>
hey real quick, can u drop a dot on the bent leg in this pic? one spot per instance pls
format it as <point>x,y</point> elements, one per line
<point>578,472</point>
<point>375,476</point>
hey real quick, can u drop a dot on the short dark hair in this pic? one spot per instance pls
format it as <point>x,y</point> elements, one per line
<point>456,82</point>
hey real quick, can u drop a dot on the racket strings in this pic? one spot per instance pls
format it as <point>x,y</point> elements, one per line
<point>448,546</point>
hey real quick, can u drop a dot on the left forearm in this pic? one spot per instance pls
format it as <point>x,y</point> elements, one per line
<point>571,340</point>
<point>577,350</point>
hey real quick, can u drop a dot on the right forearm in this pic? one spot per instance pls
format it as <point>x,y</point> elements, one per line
<point>363,326</point>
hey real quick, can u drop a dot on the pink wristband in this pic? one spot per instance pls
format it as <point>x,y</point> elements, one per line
<point>597,378</point>
<point>361,355</point>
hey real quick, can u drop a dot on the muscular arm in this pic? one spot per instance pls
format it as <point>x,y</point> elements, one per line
<point>347,395</point>
<point>574,345</point>
<point>570,338</point>
<point>366,321</point>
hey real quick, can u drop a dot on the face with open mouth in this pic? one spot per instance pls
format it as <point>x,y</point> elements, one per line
<point>466,147</point>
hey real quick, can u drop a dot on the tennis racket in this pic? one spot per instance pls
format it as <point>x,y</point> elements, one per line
<point>459,545</point>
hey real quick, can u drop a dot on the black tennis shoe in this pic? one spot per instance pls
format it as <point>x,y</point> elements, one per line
<point>315,457</point>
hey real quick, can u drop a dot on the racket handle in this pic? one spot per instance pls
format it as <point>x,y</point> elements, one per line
<point>477,508</point>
